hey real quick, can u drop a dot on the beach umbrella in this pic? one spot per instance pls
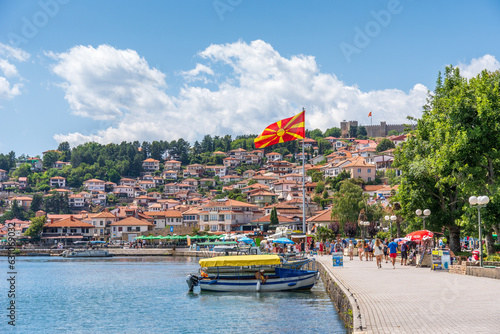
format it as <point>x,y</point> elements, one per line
<point>285,241</point>
<point>165,237</point>
<point>183,237</point>
<point>196,237</point>
<point>213,237</point>
<point>140,237</point>
<point>419,235</point>
<point>149,237</point>
<point>158,237</point>
<point>246,240</point>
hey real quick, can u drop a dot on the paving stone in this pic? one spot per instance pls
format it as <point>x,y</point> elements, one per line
<point>417,300</point>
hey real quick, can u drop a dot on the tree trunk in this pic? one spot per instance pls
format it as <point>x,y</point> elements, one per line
<point>398,229</point>
<point>454,238</point>
<point>490,248</point>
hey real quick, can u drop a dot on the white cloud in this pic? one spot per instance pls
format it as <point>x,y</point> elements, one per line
<point>10,85</point>
<point>260,88</point>
<point>104,83</point>
<point>477,65</point>
<point>194,74</point>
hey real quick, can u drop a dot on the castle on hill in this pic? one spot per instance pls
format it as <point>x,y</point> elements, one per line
<point>373,130</point>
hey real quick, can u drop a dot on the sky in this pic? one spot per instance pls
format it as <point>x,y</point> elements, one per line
<point>113,71</point>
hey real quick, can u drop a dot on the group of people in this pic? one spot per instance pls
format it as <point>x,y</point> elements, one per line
<point>382,250</point>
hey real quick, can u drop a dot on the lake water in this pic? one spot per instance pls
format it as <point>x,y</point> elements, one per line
<point>149,295</point>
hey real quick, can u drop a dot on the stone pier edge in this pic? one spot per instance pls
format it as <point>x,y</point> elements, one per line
<point>345,302</point>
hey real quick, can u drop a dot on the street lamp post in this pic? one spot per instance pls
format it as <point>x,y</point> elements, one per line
<point>393,220</point>
<point>363,226</point>
<point>426,213</point>
<point>481,202</point>
<point>388,219</point>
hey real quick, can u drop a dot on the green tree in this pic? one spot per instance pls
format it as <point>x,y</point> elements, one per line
<point>348,202</point>
<point>453,154</point>
<point>49,159</point>
<point>333,132</point>
<point>274,217</point>
<point>36,227</point>
<point>385,144</point>
<point>23,170</point>
<point>36,203</point>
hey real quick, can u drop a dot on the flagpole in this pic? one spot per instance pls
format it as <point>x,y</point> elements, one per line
<point>304,183</point>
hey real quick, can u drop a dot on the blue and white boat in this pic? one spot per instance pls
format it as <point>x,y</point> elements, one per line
<point>250,273</point>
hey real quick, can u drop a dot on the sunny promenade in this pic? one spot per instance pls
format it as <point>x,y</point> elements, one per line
<point>417,300</point>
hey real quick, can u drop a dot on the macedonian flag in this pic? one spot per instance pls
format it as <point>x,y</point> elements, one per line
<point>287,129</point>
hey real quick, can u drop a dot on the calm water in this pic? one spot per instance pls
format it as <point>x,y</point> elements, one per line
<point>149,295</point>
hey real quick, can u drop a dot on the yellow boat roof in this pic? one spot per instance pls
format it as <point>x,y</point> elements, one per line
<point>240,260</point>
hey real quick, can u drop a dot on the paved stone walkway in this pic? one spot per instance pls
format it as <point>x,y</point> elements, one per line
<point>417,300</point>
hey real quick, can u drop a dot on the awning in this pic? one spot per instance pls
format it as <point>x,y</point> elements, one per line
<point>241,260</point>
<point>66,237</point>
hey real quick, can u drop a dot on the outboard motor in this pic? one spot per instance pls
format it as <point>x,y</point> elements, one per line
<point>192,281</point>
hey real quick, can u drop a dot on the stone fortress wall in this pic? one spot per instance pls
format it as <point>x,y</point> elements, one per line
<point>373,130</point>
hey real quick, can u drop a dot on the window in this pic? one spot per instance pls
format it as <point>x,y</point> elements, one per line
<point>101,223</point>
<point>369,170</point>
<point>114,228</point>
<point>138,229</point>
<point>120,229</point>
<point>102,231</point>
<point>129,229</point>
<point>369,179</point>
<point>359,170</point>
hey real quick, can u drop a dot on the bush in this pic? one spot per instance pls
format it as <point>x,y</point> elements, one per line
<point>383,235</point>
<point>493,258</point>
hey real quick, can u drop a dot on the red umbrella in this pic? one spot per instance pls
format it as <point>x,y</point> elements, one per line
<point>419,235</point>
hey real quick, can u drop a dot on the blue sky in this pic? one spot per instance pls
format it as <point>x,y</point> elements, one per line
<point>109,71</point>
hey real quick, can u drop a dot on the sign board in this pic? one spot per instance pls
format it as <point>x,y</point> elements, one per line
<point>338,259</point>
<point>131,237</point>
<point>441,259</point>
<point>171,229</point>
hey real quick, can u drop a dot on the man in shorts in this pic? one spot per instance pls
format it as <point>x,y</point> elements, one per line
<point>393,252</point>
<point>404,253</point>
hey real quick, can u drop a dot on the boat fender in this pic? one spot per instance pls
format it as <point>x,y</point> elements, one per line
<point>292,283</point>
<point>257,288</point>
<point>212,281</point>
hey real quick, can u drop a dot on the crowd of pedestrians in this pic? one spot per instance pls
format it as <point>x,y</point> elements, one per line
<point>368,250</point>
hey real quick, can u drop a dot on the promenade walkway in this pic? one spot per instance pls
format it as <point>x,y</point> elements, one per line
<point>417,300</point>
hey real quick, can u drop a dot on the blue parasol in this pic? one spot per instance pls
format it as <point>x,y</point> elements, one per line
<point>246,240</point>
<point>284,241</point>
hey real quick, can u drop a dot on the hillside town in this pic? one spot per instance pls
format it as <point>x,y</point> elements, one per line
<point>170,197</point>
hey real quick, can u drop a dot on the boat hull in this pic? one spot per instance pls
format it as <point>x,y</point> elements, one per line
<point>302,282</point>
<point>87,253</point>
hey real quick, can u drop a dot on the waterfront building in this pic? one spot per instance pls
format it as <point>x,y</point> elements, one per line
<point>67,230</point>
<point>130,227</point>
<point>227,215</point>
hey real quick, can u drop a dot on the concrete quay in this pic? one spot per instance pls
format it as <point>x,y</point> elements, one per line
<point>414,300</point>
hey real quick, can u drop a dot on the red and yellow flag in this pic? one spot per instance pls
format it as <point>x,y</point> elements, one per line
<point>287,129</point>
<point>370,114</point>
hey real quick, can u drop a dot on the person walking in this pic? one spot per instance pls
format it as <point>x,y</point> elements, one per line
<point>386,250</point>
<point>366,248</point>
<point>393,252</point>
<point>351,250</point>
<point>404,253</point>
<point>378,251</point>
<point>327,247</point>
<point>321,248</point>
<point>360,250</point>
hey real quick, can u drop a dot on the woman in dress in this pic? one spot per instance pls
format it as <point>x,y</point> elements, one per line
<point>378,251</point>
<point>360,249</point>
<point>351,250</point>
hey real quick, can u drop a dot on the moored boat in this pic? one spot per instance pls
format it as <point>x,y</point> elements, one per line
<point>247,273</point>
<point>86,253</point>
